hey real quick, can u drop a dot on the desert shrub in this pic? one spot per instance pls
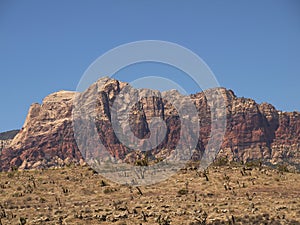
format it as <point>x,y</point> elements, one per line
<point>183,192</point>
<point>142,162</point>
<point>19,188</point>
<point>283,168</point>
<point>109,190</point>
<point>17,194</point>
<point>163,221</point>
<point>221,161</point>
<point>22,221</point>
<point>103,183</point>
<point>253,163</point>
<point>192,165</point>
<point>65,190</point>
<point>42,200</point>
<point>11,174</point>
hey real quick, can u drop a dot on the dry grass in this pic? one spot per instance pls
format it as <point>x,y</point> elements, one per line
<point>76,195</point>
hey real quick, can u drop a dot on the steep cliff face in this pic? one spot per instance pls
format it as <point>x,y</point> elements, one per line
<point>253,131</point>
<point>46,138</point>
<point>259,131</point>
<point>285,147</point>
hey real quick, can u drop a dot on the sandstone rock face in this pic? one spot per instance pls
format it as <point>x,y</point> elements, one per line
<point>253,131</point>
<point>46,136</point>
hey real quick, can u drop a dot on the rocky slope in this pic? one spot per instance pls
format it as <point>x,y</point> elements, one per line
<point>6,138</point>
<point>253,131</point>
<point>4,144</point>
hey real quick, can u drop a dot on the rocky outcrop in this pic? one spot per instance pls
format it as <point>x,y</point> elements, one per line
<point>4,144</point>
<point>6,138</point>
<point>253,131</point>
<point>259,131</point>
<point>46,138</point>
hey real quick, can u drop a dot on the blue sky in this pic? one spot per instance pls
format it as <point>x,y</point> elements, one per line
<point>252,47</point>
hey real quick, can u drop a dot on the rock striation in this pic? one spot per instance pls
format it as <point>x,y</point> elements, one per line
<point>253,131</point>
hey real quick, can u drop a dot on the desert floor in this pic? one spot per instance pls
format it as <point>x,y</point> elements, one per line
<point>78,195</point>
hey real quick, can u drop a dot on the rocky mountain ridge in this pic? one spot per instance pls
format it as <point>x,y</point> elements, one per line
<point>253,131</point>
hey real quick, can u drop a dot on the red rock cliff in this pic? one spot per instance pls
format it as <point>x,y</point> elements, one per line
<point>253,131</point>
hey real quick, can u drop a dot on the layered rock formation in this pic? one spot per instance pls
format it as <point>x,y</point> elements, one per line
<point>253,131</point>
<point>46,139</point>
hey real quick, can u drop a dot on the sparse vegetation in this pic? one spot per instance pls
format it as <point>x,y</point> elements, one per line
<point>254,164</point>
<point>283,168</point>
<point>221,161</point>
<point>183,192</point>
<point>8,134</point>
<point>141,166</point>
<point>78,196</point>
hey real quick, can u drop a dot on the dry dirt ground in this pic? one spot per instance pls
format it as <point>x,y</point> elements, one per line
<point>77,195</point>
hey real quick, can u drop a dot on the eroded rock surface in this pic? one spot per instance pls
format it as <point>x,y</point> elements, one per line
<point>253,131</point>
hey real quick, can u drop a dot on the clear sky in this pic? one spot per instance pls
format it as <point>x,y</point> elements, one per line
<point>253,47</point>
